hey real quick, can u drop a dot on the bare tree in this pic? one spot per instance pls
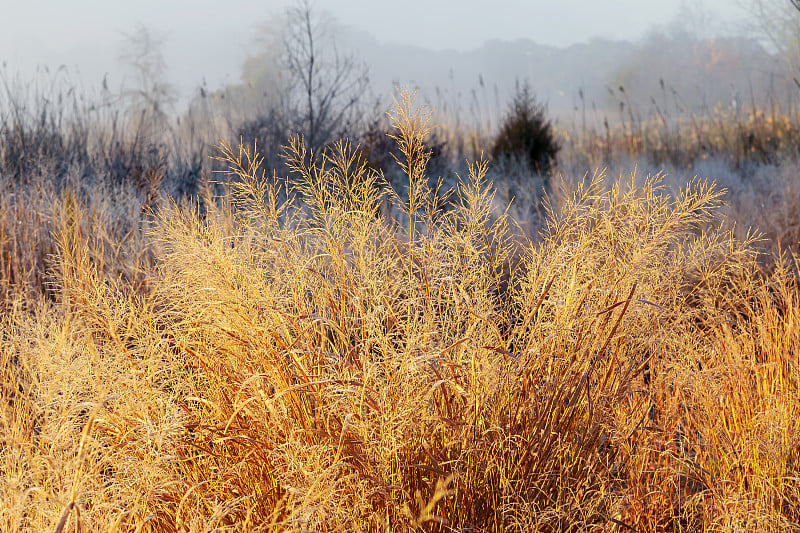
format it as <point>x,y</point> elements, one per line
<point>325,85</point>
<point>777,22</point>
<point>149,96</point>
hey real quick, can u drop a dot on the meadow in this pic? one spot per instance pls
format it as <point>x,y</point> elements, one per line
<point>201,345</point>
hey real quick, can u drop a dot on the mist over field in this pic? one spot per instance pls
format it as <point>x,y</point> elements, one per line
<point>439,51</point>
<point>602,64</point>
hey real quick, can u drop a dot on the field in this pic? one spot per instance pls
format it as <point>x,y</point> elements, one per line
<point>232,351</point>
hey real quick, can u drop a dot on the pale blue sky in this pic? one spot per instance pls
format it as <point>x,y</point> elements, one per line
<point>209,39</point>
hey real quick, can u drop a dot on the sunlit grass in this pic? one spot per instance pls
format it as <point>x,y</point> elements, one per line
<point>743,136</point>
<point>271,357</point>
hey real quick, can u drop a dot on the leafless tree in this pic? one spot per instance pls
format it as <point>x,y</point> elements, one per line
<point>325,85</point>
<point>149,96</point>
<point>777,22</point>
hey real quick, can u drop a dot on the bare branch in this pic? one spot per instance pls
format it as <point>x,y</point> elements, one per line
<point>326,86</point>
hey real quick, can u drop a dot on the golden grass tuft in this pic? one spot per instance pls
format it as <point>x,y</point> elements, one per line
<point>290,358</point>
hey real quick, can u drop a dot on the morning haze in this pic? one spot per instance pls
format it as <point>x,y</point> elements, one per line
<point>429,43</point>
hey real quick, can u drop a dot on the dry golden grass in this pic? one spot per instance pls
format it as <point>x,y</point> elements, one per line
<point>743,135</point>
<point>293,360</point>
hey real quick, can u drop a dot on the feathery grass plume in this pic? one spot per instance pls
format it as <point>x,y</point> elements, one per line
<point>412,126</point>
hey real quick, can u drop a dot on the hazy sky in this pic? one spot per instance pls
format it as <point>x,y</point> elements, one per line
<point>210,39</point>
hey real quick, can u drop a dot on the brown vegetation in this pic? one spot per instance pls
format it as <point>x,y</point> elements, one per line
<point>272,359</point>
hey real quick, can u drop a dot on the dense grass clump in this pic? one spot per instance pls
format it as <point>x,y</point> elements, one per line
<point>296,356</point>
